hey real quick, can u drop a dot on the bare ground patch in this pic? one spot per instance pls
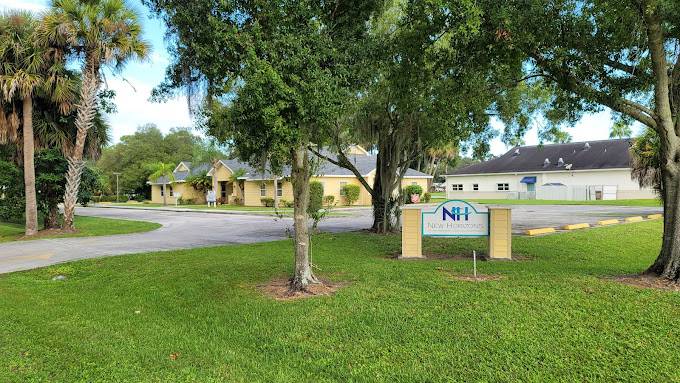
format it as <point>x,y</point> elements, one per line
<point>470,277</point>
<point>49,233</point>
<point>647,281</point>
<point>458,257</point>
<point>279,289</point>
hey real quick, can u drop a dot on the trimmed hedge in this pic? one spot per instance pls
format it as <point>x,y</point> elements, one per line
<point>351,193</point>
<point>411,190</point>
<point>315,197</point>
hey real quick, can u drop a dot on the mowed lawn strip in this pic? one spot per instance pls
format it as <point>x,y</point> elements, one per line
<point>87,227</point>
<point>197,315</point>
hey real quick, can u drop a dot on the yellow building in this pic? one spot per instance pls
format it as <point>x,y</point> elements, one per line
<point>254,185</point>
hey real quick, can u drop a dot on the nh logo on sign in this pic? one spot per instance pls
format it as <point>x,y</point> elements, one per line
<point>454,213</point>
<point>455,218</point>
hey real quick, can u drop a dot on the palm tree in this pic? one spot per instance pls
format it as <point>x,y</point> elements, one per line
<point>163,171</point>
<point>101,33</point>
<point>235,180</point>
<point>29,69</point>
<point>620,129</point>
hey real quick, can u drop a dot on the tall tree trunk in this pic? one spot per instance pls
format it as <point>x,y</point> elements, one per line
<point>276,192</point>
<point>86,112</point>
<point>300,174</point>
<point>52,217</point>
<point>667,264</point>
<point>165,195</point>
<point>29,169</point>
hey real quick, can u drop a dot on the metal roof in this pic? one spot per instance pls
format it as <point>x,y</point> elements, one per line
<point>592,155</point>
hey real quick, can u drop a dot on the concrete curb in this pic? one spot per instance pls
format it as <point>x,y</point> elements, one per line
<point>633,219</point>
<point>540,231</point>
<point>576,226</point>
<point>607,222</point>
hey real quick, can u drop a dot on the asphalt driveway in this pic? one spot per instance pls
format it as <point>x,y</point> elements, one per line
<point>183,230</point>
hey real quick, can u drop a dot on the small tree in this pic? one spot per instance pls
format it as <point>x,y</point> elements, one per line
<point>162,171</point>
<point>201,182</point>
<point>351,193</point>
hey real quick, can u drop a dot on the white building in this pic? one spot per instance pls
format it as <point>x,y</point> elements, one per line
<point>574,171</point>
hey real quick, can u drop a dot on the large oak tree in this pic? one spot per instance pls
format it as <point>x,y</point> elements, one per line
<point>273,76</point>
<point>622,55</point>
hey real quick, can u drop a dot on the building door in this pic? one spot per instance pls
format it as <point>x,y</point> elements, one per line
<point>531,187</point>
<point>223,192</point>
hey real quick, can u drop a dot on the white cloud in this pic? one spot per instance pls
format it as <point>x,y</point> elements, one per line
<point>135,109</point>
<point>28,5</point>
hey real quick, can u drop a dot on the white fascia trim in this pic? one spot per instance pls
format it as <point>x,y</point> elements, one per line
<point>536,172</point>
<point>181,163</point>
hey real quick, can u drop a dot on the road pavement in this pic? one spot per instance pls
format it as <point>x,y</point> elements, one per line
<point>183,230</point>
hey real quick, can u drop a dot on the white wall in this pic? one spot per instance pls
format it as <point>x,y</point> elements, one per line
<point>488,183</point>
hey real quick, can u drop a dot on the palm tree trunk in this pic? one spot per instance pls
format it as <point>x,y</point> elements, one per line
<point>276,192</point>
<point>29,169</point>
<point>165,195</point>
<point>84,118</point>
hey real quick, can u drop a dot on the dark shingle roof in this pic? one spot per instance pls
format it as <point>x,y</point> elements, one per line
<point>364,163</point>
<point>605,154</point>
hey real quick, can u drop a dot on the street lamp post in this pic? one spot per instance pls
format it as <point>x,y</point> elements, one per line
<point>117,193</point>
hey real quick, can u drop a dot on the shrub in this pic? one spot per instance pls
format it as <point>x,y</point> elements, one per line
<point>351,193</point>
<point>285,203</point>
<point>315,197</point>
<point>328,200</point>
<point>268,202</point>
<point>411,190</point>
<point>110,198</point>
<point>427,197</point>
<point>139,197</point>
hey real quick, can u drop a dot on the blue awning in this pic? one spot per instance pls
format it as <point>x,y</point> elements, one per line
<point>528,180</point>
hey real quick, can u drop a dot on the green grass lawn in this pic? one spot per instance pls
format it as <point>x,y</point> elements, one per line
<point>552,317</point>
<point>87,227</point>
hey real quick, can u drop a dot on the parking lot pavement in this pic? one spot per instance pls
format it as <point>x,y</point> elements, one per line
<point>183,230</point>
<point>536,216</point>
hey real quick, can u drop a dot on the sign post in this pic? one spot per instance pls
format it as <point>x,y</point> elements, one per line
<point>456,218</point>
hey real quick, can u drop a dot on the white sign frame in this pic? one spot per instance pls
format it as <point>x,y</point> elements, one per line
<point>456,214</point>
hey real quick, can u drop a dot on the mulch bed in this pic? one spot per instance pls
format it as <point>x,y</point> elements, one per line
<point>458,257</point>
<point>647,281</point>
<point>279,289</point>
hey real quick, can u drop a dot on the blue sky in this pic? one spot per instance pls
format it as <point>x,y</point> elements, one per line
<point>133,88</point>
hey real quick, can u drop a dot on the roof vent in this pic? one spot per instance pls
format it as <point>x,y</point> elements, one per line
<point>568,166</point>
<point>546,163</point>
<point>560,162</point>
<point>516,153</point>
<point>586,146</point>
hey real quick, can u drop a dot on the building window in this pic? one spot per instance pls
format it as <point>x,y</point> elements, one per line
<point>279,190</point>
<point>475,187</point>
<point>171,193</point>
<point>342,188</point>
<point>162,190</point>
<point>503,187</point>
<point>457,187</point>
<point>263,190</point>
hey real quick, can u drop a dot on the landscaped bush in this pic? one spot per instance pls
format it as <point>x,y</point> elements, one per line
<point>315,197</point>
<point>285,203</point>
<point>139,197</point>
<point>268,202</point>
<point>411,190</point>
<point>328,200</point>
<point>351,193</point>
<point>427,197</point>
<point>110,198</point>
